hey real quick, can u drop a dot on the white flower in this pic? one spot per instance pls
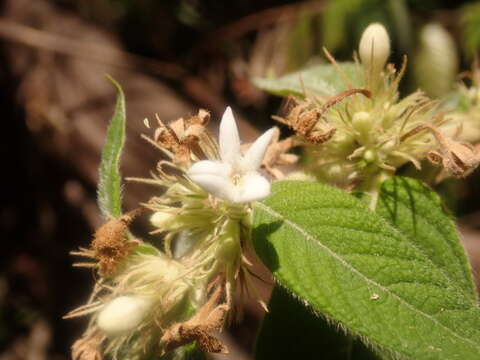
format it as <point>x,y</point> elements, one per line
<point>235,177</point>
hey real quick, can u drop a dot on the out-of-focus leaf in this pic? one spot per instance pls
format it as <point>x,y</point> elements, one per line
<point>320,80</point>
<point>109,191</point>
<point>335,19</point>
<point>343,22</point>
<point>470,18</point>
<point>290,330</point>
<point>301,42</point>
<point>456,101</point>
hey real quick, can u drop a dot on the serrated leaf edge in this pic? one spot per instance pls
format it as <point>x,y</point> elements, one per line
<point>308,236</point>
<point>438,200</point>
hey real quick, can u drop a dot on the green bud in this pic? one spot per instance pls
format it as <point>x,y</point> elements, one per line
<point>362,122</point>
<point>162,219</point>
<point>370,156</point>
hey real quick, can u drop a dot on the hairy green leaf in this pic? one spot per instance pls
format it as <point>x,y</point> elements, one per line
<point>290,330</point>
<point>319,80</point>
<point>350,264</point>
<point>110,183</point>
<point>418,212</point>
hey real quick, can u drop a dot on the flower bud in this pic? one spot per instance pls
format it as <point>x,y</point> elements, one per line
<point>162,219</point>
<point>436,62</point>
<point>370,155</point>
<point>374,48</point>
<point>335,172</point>
<point>122,314</point>
<point>362,122</point>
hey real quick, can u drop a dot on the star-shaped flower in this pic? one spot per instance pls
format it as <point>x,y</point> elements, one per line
<point>234,178</point>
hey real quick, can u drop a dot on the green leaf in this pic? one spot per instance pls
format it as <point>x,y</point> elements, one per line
<point>301,42</point>
<point>469,19</point>
<point>336,17</point>
<point>350,264</point>
<point>418,212</point>
<point>303,335</point>
<point>110,187</point>
<point>319,80</point>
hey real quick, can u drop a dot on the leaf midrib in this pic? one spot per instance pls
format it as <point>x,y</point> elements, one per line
<point>346,264</point>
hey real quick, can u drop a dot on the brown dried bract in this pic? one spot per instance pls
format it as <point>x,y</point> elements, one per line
<point>209,318</point>
<point>276,154</point>
<point>459,158</point>
<point>110,244</point>
<point>304,117</point>
<point>182,136</point>
<point>88,347</point>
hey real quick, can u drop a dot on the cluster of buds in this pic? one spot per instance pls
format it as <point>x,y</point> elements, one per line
<point>149,301</point>
<point>362,135</point>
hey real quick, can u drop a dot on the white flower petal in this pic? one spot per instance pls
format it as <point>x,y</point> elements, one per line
<point>207,167</point>
<point>252,186</point>
<point>228,138</point>
<point>218,186</point>
<point>256,152</point>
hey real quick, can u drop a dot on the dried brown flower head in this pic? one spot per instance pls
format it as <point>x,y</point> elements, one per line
<point>305,118</point>
<point>209,318</point>
<point>111,245</point>
<point>181,136</point>
<point>459,158</point>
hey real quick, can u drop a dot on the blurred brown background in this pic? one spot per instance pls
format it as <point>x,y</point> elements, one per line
<point>171,57</point>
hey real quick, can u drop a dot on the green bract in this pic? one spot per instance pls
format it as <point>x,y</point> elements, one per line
<point>110,186</point>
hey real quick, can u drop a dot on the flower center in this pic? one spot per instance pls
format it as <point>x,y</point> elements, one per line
<point>236,176</point>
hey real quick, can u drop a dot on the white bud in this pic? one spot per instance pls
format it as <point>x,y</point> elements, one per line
<point>374,48</point>
<point>122,314</point>
<point>436,61</point>
<point>336,172</point>
<point>162,219</point>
